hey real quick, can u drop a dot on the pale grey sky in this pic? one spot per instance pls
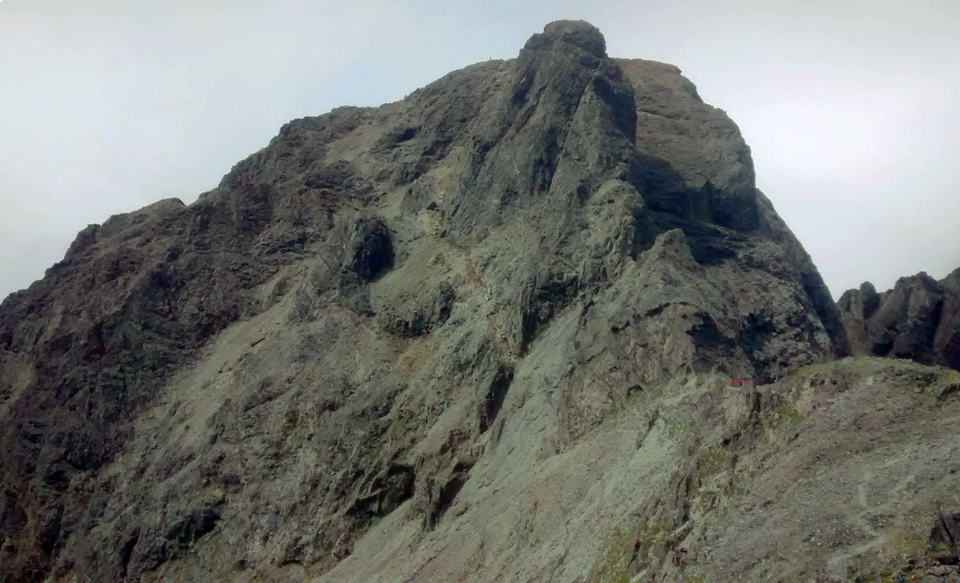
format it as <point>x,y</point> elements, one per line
<point>848,105</point>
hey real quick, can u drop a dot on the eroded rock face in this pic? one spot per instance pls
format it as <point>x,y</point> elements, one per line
<point>369,250</point>
<point>386,308</point>
<point>690,155</point>
<point>918,319</point>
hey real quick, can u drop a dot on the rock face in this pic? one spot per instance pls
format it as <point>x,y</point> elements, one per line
<point>483,333</point>
<point>918,319</point>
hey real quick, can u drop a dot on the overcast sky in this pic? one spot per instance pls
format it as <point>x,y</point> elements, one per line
<point>849,106</point>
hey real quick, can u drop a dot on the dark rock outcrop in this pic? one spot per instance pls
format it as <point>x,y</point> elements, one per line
<point>369,250</point>
<point>918,319</point>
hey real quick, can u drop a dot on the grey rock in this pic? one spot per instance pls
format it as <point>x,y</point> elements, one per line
<point>483,333</point>
<point>918,319</point>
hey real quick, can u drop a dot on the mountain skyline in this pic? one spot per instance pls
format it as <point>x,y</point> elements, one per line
<point>109,106</point>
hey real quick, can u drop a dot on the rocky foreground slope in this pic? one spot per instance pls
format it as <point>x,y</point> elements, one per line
<point>485,333</point>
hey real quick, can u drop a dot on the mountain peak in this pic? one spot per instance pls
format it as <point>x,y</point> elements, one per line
<point>545,289</point>
<point>562,35</point>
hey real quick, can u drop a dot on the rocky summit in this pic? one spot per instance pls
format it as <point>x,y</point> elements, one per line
<point>534,322</point>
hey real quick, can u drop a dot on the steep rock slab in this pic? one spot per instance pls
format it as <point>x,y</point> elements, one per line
<point>807,478</point>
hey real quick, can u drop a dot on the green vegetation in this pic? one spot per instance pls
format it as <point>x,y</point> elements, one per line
<point>712,461</point>
<point>617,557</point>
<point>645,545</point>
<point>906,544</point>
<point>651,542</point>
<point>809,371</point>
<point>787,417</point>
<point>860,365</point>
<point>675,429</point>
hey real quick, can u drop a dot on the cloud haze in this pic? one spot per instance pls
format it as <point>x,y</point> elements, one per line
<point>108,105</point>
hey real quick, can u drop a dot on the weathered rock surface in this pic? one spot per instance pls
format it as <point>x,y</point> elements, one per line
<point>483,333</point>
<point>918,319</point>
<point>835,472</point>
